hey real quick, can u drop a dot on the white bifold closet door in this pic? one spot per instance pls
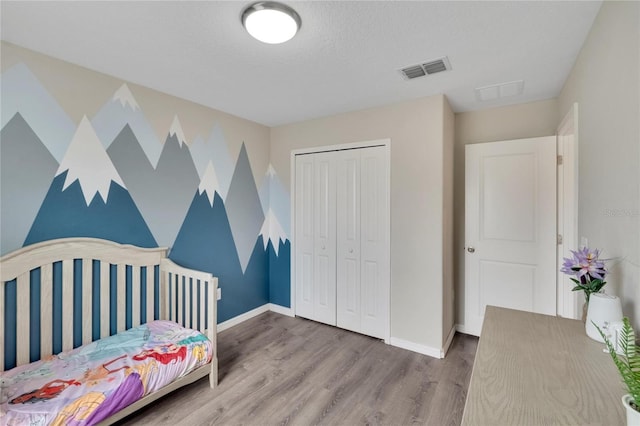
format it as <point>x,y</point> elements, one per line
<point>362,246</point>
<point>316,237</point>
<point>342,211</point>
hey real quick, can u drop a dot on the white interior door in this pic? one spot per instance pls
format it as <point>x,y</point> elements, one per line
<point>324,276</point>
<point>305,234</point>
<point>362,241</point>
<point>348,266</point>
<point>510,227</point>
<point>374,242</point>
<point>315,248</point>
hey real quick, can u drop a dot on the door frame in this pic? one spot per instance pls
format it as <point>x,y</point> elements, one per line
<point>339,147</point>
<point>567,203</point>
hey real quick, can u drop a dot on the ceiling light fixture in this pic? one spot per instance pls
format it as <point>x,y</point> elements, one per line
<point>271,22</point>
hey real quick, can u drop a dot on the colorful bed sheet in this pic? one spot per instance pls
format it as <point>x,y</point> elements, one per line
<point>92,382</point>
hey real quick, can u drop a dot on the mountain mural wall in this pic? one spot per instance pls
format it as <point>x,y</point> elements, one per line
<point>128,173</point>
<point>19,147</point>
<point>87,198</point>
<point>123,110</point>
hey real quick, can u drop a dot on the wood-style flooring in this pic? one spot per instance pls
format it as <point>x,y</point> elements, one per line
<point>278,370</point>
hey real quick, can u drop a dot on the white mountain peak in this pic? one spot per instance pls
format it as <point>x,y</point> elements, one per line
<point>209,183</point>
<point>271,172</point>
<point>176,130</point>
<point>88,163</point>
<point>125,97</point>
<point>272,230</point>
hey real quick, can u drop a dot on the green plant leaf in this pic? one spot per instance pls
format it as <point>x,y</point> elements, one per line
<point>629,363</point>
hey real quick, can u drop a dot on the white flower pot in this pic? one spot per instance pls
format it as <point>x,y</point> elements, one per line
<point>603,309</point>
<point>633,416</point>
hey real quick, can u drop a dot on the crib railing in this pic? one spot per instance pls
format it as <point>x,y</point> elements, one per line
<point>60,294</point>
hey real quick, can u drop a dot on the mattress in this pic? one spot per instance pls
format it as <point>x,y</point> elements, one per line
<point>92,382</point>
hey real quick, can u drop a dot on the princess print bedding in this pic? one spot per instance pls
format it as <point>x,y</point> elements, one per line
<point>92,382</point>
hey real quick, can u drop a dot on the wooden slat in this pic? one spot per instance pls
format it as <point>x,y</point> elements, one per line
<point>135,296</point>
<point>104,299</point>
<point>211,330</point>
<point>194,304</point>
<point>174,299</point>
<point>121,297</point>
<point>22,324</point>
<point>212,320</point>
<point>202,326</point>
<point>150,301</point>
<point>2,305</point>
<point>165,289</point>
<point>67,303</point>
<point>187,302</point>
<point>180,279</point>
<point>46,310</point>
<point>87,292</point>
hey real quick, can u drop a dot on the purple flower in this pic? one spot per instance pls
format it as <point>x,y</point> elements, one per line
<point>585,263</point>
<point>587,269</point>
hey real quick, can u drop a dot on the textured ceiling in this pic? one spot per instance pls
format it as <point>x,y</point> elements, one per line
<point>346,56</point>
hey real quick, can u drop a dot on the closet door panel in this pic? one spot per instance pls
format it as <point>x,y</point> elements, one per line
<point>304,230</point>
<point>370,291</point>
<point>342,239</point>
<point>324,276</point>
<point>348,300</point>
<point>374,242</point>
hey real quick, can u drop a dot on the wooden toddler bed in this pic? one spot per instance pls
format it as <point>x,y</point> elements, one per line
<point>77,292</point>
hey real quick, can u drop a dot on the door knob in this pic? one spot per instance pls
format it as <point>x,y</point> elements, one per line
<point>471,249</point>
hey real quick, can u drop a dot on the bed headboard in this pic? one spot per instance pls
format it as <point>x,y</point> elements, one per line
<point>59,294</point>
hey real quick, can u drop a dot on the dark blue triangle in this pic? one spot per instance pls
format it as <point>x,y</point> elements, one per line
<point>65,214</point>
<point>280,274</point>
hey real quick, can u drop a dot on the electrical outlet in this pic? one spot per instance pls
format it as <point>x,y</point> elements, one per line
<point>584,242</point>
<point>219,293</point>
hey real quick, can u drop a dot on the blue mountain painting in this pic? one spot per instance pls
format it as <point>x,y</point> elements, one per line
<point>280,273</point>
<point>253,290</point>
<point>205,242</point>
<point>66,214</point>
<point>26,167</point>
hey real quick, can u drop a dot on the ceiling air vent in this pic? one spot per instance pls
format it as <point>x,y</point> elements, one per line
<point>426,68</point>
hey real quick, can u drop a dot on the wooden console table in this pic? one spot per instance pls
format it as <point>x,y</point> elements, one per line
<point>533,369</point>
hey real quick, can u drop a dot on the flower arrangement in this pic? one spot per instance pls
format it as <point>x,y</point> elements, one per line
<point>587,271</point>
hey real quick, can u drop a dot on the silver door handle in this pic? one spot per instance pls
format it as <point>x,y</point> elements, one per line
<point>471,249</point>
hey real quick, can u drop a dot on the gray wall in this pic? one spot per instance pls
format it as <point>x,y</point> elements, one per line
<point>416,130</point>
<point>513,122</point>
<point>605,82</point>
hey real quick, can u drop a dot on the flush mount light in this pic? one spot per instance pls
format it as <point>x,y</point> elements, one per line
<point>271,22</point>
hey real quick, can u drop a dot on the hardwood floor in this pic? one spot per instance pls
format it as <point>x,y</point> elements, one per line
<point>277,370</point>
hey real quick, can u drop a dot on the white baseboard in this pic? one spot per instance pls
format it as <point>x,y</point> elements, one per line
<point>447,343</point>
<point>281,310</point>
<point>393,341</point>
<point>460,328</point>
<point>254,313</point>
<point>415,347</point>
<point>423,349</point>
<point>243,317</point>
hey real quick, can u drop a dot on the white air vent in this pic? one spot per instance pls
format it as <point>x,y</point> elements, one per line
<point>501,90</point>
<point>426,68</point>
